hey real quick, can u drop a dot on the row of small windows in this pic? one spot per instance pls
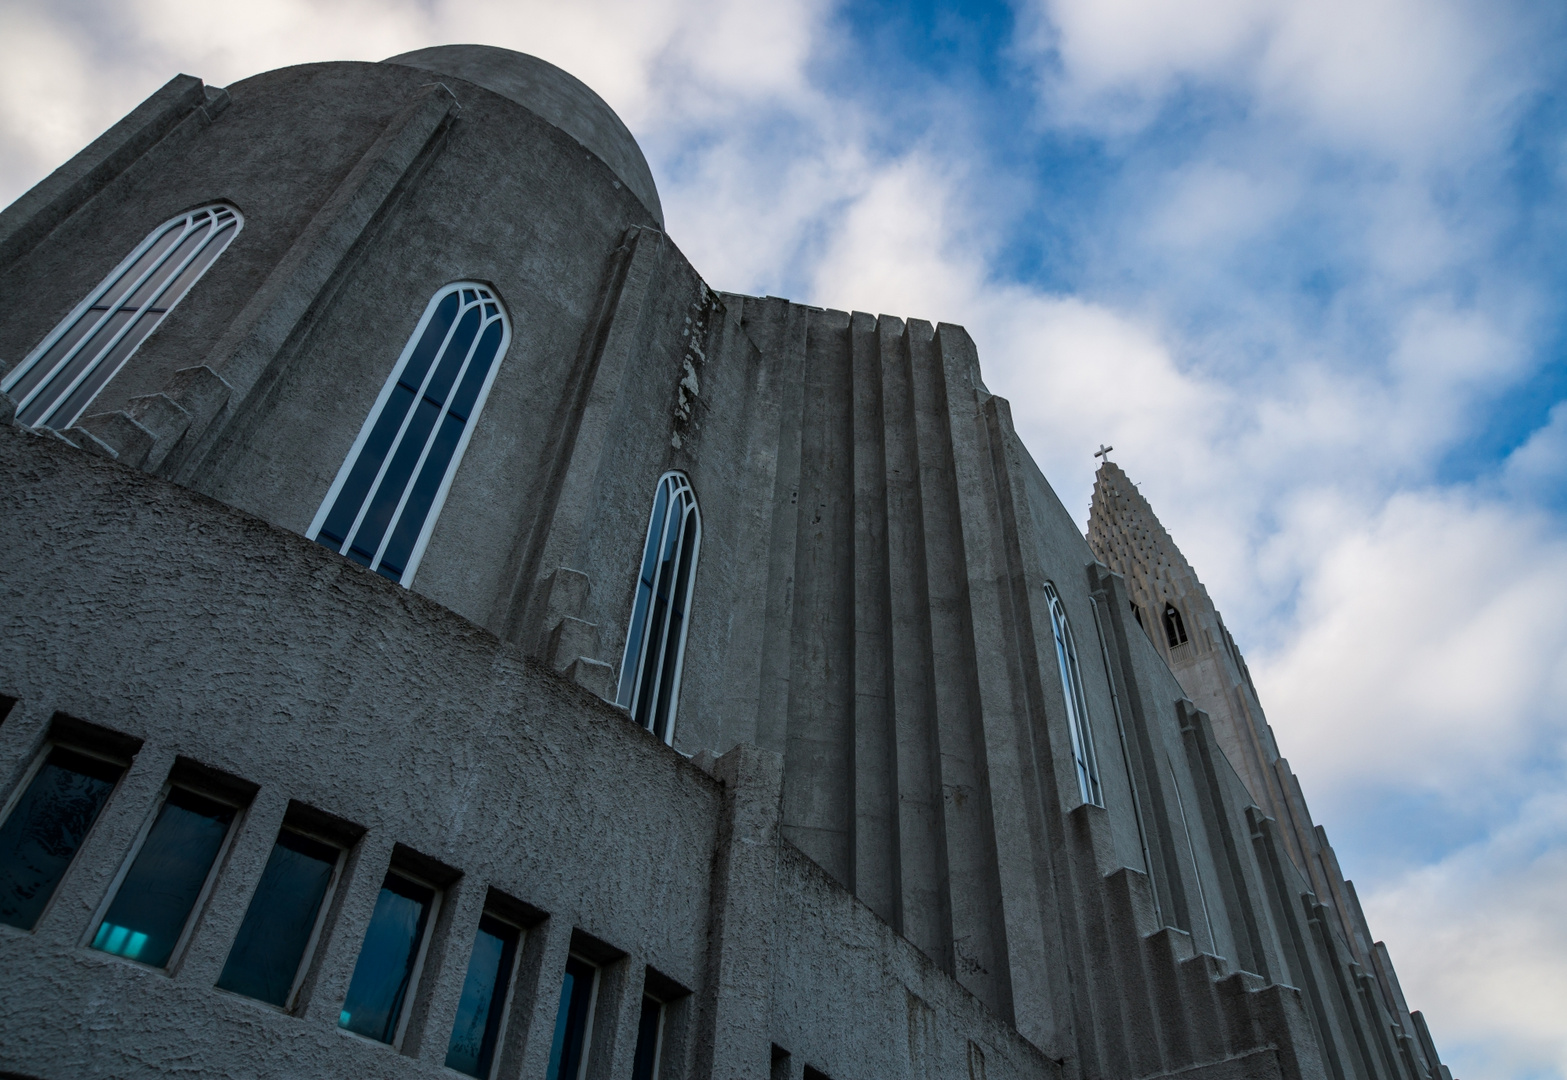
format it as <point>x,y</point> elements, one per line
<point>172,867</point>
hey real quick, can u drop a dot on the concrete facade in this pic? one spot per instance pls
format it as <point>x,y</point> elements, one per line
<point>863,854</point>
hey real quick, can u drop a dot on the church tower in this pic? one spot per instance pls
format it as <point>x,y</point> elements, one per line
<point>1181,621</point>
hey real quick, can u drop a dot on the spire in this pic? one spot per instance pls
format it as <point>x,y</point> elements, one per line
<point>1185,628</point>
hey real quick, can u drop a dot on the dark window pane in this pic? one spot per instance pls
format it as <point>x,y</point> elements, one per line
<point>648,1031</point>
<point>472,1047</point>
<point>277,927</point>
<point>74,405</point>
<point>45,830</point>
<point>351,495</point>
<point>155,899</point>
<point>411,522</point>
<point>42,405</point>
<point>571,1020</point>
<point>390,491</point>
<point>386,960</point>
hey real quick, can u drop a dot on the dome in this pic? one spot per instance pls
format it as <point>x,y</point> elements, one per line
<point>561,98</point>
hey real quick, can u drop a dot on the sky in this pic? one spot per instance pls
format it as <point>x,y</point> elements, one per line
<point>1303,264</point>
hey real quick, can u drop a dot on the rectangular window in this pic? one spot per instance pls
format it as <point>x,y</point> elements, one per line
<point>573,1021</point>
<point>650,1038</point>
<point>479,1012</point>
<point>46,828</point>
<point>389,959</point>
<point>171,870</point>
<point>282,921</point>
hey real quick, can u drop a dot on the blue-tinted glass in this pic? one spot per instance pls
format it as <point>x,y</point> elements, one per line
<point>571,1020</point>
<point>45,830</point>
<point>677,619</point>
<point>639,611</point>
<point>406,533</point>
<point>478,370</point>
<point>277,927</point>
<point>155,899</point>
<point>351,495</point>
<point>386,960</point>
<point>472,1046</point>
<point>646,1057</point>
<point>388,493</point>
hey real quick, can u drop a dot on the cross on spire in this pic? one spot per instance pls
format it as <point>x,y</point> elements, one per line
<point>1103,451</point>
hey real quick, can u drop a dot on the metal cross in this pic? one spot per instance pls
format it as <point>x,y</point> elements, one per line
<point>1103,451</point>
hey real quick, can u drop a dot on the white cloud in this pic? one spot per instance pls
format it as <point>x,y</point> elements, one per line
<point>1430,650</point>
<point>1481,947</point>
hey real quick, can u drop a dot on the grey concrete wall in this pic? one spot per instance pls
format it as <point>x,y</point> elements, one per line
<point>869,608</point>
<point>213,637</point>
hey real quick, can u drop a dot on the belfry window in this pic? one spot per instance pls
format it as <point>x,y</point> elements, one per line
<point>383,505</point>
<point>656,640</point>
<point>54,384</point>
<point>1174,626</point>
<point>1076,704</point>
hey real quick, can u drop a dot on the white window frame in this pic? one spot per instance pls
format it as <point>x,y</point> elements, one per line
<point>681,501</point>
<point>486,295</point>
<point>1085,761</point>
<point>218,216</point>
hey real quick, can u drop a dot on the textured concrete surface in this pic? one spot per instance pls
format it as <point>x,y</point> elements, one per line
<point>896,842</point>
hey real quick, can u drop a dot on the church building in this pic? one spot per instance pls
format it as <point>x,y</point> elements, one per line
<point>445,636</point>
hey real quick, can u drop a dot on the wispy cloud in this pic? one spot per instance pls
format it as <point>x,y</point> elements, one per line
<point>1298,261</point>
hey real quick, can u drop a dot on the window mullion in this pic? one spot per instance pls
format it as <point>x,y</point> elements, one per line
<point>402,428</point>
<point>130,324</point>
<point>429,440</point>
<point>649,634</point>
<point>75,350</point>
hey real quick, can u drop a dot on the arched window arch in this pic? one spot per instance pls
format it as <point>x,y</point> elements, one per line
<point>1076,704</point>
<point>656,639</point>
<point>54,384</point>
<point>382,507</point>
<point>1174,626</point>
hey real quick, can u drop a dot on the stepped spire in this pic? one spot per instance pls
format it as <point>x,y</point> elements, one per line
<point>1175,611</point>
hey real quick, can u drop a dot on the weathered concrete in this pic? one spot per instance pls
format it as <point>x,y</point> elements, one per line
<point>894,873</point>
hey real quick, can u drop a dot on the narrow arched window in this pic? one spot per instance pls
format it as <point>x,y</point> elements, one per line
<point>54,384</point>
<point>1174,626</point>
<point>382,507</point>
<point>656,640</point>
<point>1076,704</point>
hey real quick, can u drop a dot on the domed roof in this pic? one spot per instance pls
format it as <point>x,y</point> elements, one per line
<point>558,97</point>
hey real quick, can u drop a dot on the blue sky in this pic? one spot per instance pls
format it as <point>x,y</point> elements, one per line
<point>1303,264</point>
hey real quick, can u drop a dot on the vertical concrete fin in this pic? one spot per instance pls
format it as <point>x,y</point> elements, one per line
<point>876,864</point>
<point>778,328</point>
<point>583,429</point>
<point>257,346</point>
<point>819,772</point>
<point>960,558</point>
<point>60,194</point>
<point>924,911</point>
<point>1206,759</point>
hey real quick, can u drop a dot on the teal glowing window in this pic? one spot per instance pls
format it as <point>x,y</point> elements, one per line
<point>45,829</point>
<point>388,959</point>
<point>650,1037</point>
<point>383,505</point>
<point>167,877</point>
<point>574,1018</point>
<point>281,920</point>
<point>478,1026</point>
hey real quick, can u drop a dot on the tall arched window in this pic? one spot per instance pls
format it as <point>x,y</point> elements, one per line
<point>382,507</point>
<point>656,640</point>
<point>1076,705</point>
<point>1174,626</point>
<point>54,384</point>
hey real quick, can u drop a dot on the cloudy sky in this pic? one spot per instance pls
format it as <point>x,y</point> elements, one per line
<point>1302,262</point>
